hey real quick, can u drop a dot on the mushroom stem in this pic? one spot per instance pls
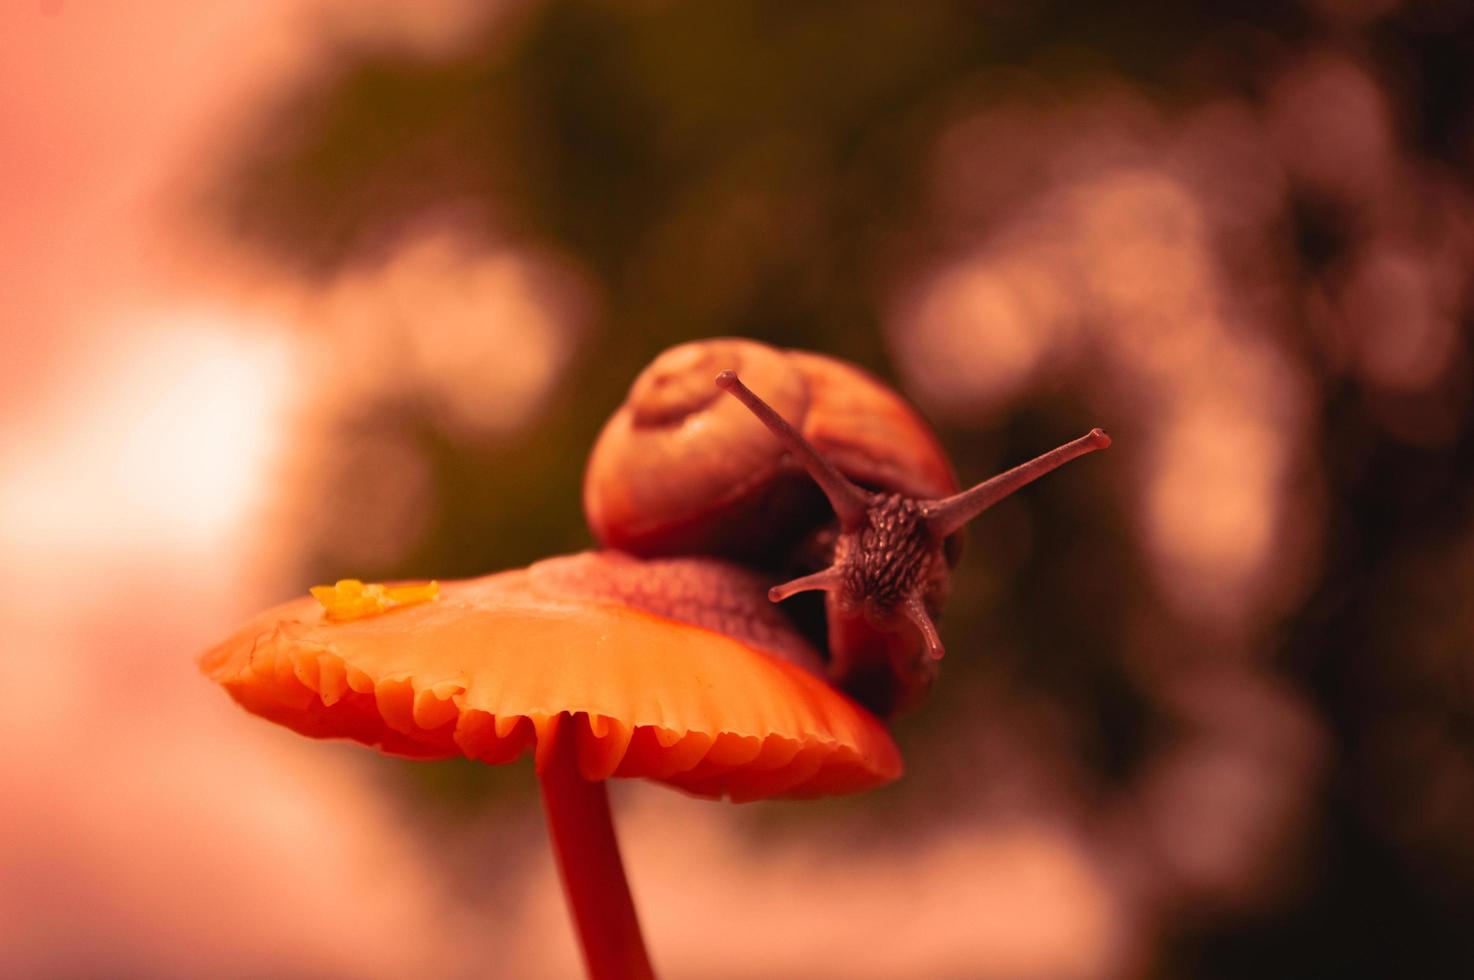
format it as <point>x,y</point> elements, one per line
<point>598,894</point>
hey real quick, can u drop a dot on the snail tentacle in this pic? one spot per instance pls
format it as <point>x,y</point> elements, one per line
<point>849,501</point>
<point>825,580</point>
<point>946,516</point>
<point>915,610</point>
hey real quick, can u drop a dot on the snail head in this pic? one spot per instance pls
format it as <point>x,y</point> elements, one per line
<point>889,564</point>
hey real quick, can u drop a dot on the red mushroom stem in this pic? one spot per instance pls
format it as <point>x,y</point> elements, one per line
<point>598,893</point>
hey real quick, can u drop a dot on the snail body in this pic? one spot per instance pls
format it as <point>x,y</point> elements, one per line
<point>811,470</point>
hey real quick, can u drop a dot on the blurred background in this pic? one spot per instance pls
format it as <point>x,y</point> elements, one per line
<point>297,290</point>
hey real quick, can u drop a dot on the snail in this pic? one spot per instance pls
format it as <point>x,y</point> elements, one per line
<point>738,457</point>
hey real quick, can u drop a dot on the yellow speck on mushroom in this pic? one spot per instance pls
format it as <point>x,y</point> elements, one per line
<point>351,599</point>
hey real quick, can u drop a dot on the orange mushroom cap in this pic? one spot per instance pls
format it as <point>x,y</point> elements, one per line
<point>491,667</point>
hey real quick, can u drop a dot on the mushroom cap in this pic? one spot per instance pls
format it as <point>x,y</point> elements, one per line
<point>494,665</point>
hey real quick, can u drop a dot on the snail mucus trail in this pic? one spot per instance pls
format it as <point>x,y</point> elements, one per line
<point>889,563</point>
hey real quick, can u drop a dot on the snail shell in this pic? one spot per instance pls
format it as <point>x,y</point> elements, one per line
<point>681,468</point>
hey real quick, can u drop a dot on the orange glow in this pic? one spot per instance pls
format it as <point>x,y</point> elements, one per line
<point>1028,897</point>
<point>479,332</point>
<point>1400,332</point>
<point>983,330</point>
<point>1109,252</point>
<point>1332,125</point>
<point>180,424</point>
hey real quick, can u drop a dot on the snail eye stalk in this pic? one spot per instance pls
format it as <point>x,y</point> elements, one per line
<point>950,514</point>
<point>849,501</point>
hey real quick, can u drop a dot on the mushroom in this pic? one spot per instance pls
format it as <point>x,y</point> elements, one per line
<point>601,664</point>
<point>677,669</point>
